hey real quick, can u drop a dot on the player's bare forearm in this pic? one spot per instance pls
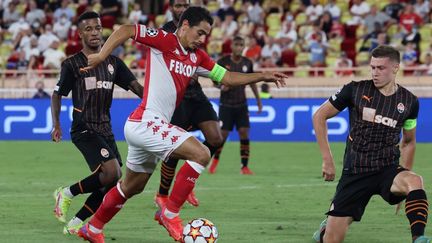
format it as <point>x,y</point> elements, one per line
<point>255,91</point>
<point>117,38</point>
<point>136,88</point>
<point>55,109</point>
<point>408,152</point>
<point>321,134</point>
<point>236,78</point>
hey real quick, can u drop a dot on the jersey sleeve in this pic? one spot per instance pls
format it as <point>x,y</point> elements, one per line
<point>208,68</point>
<point>124,76</point>
<point>65,83</point>
<point>411,121</point>
<point>156,38</point>
<point>342,98</point>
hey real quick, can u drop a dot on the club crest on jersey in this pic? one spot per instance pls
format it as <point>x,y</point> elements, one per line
<point>152,32</point>
<point>110,69</point>
<point>244,68</point>
<point>104,152</point>
<point>181,68</point>
<point>400,108</point>
<point>193,57</point>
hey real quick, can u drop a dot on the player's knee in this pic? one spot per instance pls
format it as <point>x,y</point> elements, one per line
<point>415,182</point>
<point>203,156</point>
<point>215,141</point>
<point>333,237</point>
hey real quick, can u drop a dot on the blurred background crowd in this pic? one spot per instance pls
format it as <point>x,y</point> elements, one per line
<point>39,34</point>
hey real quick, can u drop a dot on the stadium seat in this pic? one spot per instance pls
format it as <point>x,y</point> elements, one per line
<point>303,30</point>
<point>288,57</point>
<point>392,30</point>
<point>300,19</point>
<point>302,58</point>
<point>425,32</point>
<point>362,58</point>
<point>273,22</point>
<point>335,44</point>
<point>302,72</point>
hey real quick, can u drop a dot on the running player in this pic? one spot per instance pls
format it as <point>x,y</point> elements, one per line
<point>194,111</point>
<point>91,132</point>
<point>172,59</point>
<point>233,107</point>
<point>379,110</point>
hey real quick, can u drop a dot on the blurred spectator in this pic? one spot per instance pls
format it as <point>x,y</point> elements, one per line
<point>18,26</point>
<point>35,14</point>
<point>326,23</point>
<point>225,7</point>
<point>22,64</point>
<point>40,93</point>
<point>270,49</point>
<point>343,62</point>
<point>358,11</point>
<point>412,37</point>
<point>229,25</point>
<point>409,18</point>
<point>136,15</point>
<point>338,29</point>
<point>252,50</point>
<point>376,16</point>
<point>53,57</point>
<point>47,38</point>
<point>64,10</point>
<point>333,9</point>
<point>214,46</point>
<point>393,9</point>
<point>370,40</point>
<point>111,8</point>
<point>314,33</point>
<point>11,14</point>
<point>61,27</point>
<point>314,11</point>
<point>246,27</point>
<point>409,57</point>
<point>260,35</point>
<point>32,52</point>
<point>287,36</point>
<point>422,9</point>
<point>265,92</point>
<point>426,67</point>
<point>317,51</point>
<point>255,13</point>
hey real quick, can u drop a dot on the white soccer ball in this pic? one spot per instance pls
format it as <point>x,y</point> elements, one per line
<point>200,231</point>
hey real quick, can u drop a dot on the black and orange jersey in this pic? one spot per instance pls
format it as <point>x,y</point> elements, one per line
<point>92,91</point>
<point>235,96</point>
<point>376,121</point>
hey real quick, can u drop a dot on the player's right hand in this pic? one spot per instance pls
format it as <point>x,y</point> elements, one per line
<point>56,134</point>
<point>328,170</point>
<point>93,60</point>
<point>275,77</point>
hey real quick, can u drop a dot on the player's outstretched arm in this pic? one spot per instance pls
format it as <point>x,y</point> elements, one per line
<point>117,38</point>
<point>56,132</point>
<point>325,112</point>
<point>236,79</point>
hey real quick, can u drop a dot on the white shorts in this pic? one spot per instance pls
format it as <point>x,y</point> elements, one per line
<point>151,140</point>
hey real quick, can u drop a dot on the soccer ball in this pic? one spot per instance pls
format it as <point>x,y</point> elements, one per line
<point>200,231</point>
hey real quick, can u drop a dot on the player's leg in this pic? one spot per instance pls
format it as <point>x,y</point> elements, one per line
<point>242,124</point>
<point>168,167</point>
<point>101,160</point>
<point>113,202</point>
<point>93,202</point>
<point>407,183</point>
<point>336,229</point>
<point>226,118</point>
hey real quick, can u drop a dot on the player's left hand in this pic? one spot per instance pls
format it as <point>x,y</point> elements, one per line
<point>275,77</point>
<point>93,60</point>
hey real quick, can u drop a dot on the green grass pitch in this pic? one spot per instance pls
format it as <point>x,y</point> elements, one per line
<point>284,202</point>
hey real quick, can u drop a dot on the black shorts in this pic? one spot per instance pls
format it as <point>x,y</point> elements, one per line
<point>230,116</point>
<point>95,148</point>
<point>192,112</point>
<point>354,191</point>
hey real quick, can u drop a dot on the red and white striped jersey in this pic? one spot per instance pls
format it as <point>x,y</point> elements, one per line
<point>169,68</point>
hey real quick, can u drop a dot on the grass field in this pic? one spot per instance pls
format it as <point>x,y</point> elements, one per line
<point>283,202</point>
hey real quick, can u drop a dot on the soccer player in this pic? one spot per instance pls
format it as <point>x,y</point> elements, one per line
<point>194,111</point>
<point>172,59</point>
<point>91,132</point>
<point>379,109</point>
<point>233,108</point>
